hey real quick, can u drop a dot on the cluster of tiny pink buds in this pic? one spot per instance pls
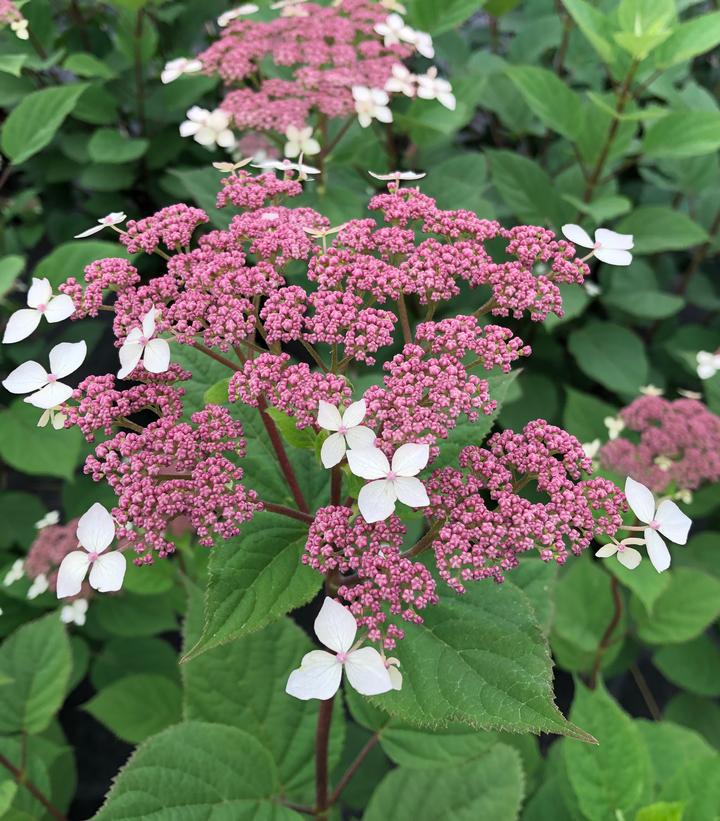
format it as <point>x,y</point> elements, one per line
<point>679,444</point>
<point>111,273</point>
<point>172,226</point>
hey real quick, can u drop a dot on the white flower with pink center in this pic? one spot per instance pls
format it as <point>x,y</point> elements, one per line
<point>95,532</point>
<point>608,246</point>
<point>320,672</point>
<point>389,482</point>
<point>109,221</point>
<point>139,344</point>
<point>46,389</point>
<point>347,431</point>
<point>626,555</point>
<point>371,104</point>
<point>41,303</point>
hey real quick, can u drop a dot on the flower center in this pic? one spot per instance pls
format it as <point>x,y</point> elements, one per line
<point>92,556</point>
<point>391,476</point>
<point>597,245</point>
<point>654,524</point>
<point>41,308</point>
<point>144,340</point>
<point>342,429</point>
<point>51,378</point>
<point>342,657</point>
<point>621,547</point>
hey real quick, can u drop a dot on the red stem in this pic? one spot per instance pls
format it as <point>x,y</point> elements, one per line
<point>285,466</point>
<point>353,768</point>
<point>290,512</point>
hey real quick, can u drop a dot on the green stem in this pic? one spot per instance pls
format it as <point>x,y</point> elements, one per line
<point>322,737</point>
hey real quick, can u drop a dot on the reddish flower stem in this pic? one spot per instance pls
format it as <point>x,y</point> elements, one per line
<point>24,781</point>
<point>290,512</point>
<point>353,768</point>
<point>282,457</point>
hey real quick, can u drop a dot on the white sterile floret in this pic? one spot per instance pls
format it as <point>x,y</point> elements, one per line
<point>432,87</point>
<point>95,532</point>
<point>608,246</point>
<point>74,613</point>
<point>285,165</point>
<point>708,364</point>
<point>389,483</point>
<point>626,555</point>
<point>16,572</point>
<point>397,176</point>
<point>208,128</point>
<point>347,431</point>
<point>45,388</point>
<point>50,518</point>
<point>615,426</point>
<point>231,167</point>
<point>667,519</point>
<point>320,672</point>
<point>39,586</point>
<point>241,11</point>
<point>300,141</point>
<point>114,218</point>
<point>176,68</point>
<point>371,104</point>
<point>140,344</point>
<point>41,303</point>
<point>401,81</point>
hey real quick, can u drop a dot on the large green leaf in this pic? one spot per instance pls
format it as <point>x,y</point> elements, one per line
<point>248,691</point>
<point>31,126</point>
<point>198,770</point>
<point>110,146</point>
<point>687,40</point>
<point>70,258</point>
<point>671,747</point>
<point>551,99</point>
<point>254,579</point>
<point>683,134</point>
<point>659,228</point>
<point>693,666</point>
<point>616,776</point>
<point>489,787</point>
<point>697,784</point>
<point>610,354</point>
<point>480,659</point>
<point>584,415</point>
<point>435,18</point>
<point>37,660</point>
<point>594,25</point>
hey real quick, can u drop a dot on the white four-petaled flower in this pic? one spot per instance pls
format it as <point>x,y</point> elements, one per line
<point>39,586</point>
<point>432,87</point>
<point>708,364</point>
<point>75,612</point>
<point>348,432</point>
<point>45,389</point>
<point>241,11</point>
<point>208,128</point>
<point>300,141</point>
<point>626,555</point>
<point>16,572</point>
<point>401,81</point>
<point>41,303</point>
<point>139,344</point>
<point>320,672</point>
<point>394,29</point>
<point>667,519</point>
<point>285,165</point>
<point>176,68</point>
<point>114,218</point>
<point>397,176</point>
<point>615,426</point>
<point>389,483</point>
<point>95,532</point>
<point>608,246</point>
<point>371,104</point>
<point>50,518</point>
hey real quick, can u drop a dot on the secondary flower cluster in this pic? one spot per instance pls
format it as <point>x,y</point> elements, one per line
<point>678,444</point>
<point>11,16</point>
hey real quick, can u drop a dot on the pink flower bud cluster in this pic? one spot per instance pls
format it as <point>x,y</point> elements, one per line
<point>111,273</point>
<point>324,52</point>
<point>679,444</point>
<point>488,512</point>
<point>379,582</point>
<point>172,227</point>
<point>173,470</point>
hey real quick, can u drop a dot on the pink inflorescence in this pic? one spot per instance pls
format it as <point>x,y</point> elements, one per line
<point>679,443</point>
<point>486,517</point>
<point>376,579</point>
<point>324,53</point>
<point>172,227</point>
<point>9,13</point>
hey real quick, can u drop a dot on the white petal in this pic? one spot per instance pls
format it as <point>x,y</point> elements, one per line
<point>225,138</point>
<point>448,100</point>
<point>672,522</point>
<point>187,129</point>
<point>73,570</point>
<point>612,257</point>
<point>332,450</point>
<point>148,323</point>
<point>157,356</point>
<point>577,235</point>
<point>376,500</point>
<point>67,357</point>
<point>705,370</point>
<point>611,239</point>
<point>28,377</point>
<point>89,232</point>
<point>96,529</point>
<point>629,558</point>
<point>108,572</point>
<point>367,673</point>
<point>60,307</point>
<point>383,114</point>
<point>360,437</point>
<point>50,396</point>
<point>21,324</point>
<point>130,354</point>
<point>640,499</point>
<point>205,136</point>
<point>328,416</point>
<point>606,551</point>
<point>318,677</point>
<point>395,677</point>
<point>39,292</point>
<point>411,491</point>
<point>410,459</point>
<point>657,550</point>
<point>354,414</point>
<point>335,626</point>
<point>368,463</point>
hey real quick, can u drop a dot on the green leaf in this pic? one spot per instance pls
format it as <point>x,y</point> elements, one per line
<point>203,184</point>
<point>671,747</point>
<point>248,692</point>
<point>70,258</point>
<point>18,512</point>
<point>460,181</point>
<point>615,777</point>
<point>31,126</point>
<point>12,63</point>
<point>130,615</point>
<point>594,25</point>
<point>482,660</point>
<point>109,146</point>
<point>661,811</point>
<point>584,415</point>
<point>24,805</point>
<point>538,580</point>
<point>683,134</point>
<point>254,579</point>
<point>693,666</point>
<point>87,65</point>
<point>136,707</point>
<point>527,189</point>
<point>682,611</point>
<point>197,770</point>
<point>490,787</point>
<point>552,100</point>
<point>610,354</point>
<point>287,426</point>
<point>217,394</point>
<point>645,582</point>
<point>38,660</point>
<point>659,228</point>
<point>11,266</point>
<point>693,37</point>
<point>697,785</point>
<point>697,713</point>
<point>577,628</point>
<point>435,18</point>
<point>122,657</point>
<point>37,451</point>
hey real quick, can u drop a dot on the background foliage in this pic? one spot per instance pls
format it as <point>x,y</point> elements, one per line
<point>601,113</point>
